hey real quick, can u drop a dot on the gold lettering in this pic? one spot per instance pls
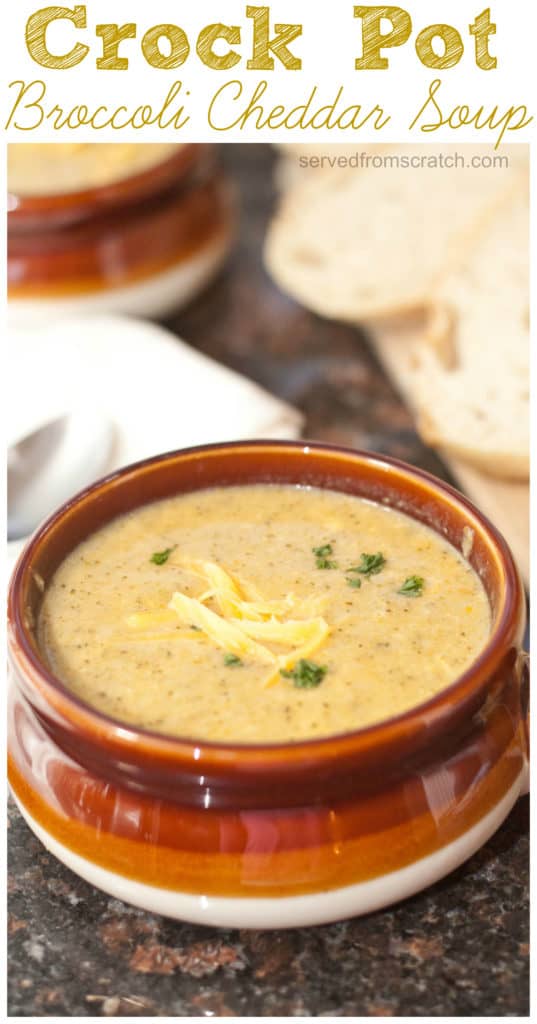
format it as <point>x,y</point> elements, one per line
<point>112,36</point>
<point>433,89</point>
<point>30,98</point>
<point>36,37</point>
<point>376,115</point>
<point>28,104</point>
<point>179,118</point>
<point>482,28</point>
<point>508,122</point>
<point>207,39</point>
<point>461,116</point>
<point>113,122</point>
<point>94,121</point>
<point>253,112</point>
<point>453,46</point>
<point>261,60</point>
<point>179,46</point>
<point>373,40</point>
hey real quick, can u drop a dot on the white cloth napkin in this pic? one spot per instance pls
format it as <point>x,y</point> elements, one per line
<point>159,393</point>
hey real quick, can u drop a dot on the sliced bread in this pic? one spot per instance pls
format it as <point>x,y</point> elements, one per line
<point>477,406</point>
<point>359,244</point>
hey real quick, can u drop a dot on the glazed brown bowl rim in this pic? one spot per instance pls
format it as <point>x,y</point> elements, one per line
<point>131,187</point>
<point>83,716</point>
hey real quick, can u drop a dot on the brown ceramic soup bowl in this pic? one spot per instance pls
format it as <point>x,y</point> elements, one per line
<point>283,834</point>
<point>145,244</point>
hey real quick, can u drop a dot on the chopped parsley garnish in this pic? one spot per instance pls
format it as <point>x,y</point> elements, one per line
<point>159,557</point>
<point>412,587</point>
<point>305,674</point>
<point>232,659</point>
<point>322,559</point>
<point>354,582</point>
<point>369,565</point>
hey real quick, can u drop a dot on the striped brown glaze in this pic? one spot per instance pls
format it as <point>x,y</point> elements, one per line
<point>83,242</point>
<point>277,819</point>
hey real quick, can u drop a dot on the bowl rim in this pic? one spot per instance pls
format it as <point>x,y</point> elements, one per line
<point>172,168</point>
<point>89,720</point>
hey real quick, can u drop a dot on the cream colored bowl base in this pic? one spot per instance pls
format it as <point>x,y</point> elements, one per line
<point>156,296</point>
<point>288,911</point>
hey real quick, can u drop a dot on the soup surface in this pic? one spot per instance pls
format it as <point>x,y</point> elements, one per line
<point>50,168</point>
<point>261,613</point>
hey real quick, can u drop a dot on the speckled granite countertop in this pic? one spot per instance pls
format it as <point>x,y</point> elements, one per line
<point>459,949</point>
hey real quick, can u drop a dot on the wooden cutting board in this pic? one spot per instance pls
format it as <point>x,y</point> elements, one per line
<point>506,503</point>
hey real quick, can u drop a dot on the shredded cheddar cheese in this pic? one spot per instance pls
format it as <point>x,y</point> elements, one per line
<point>244,622</point>
<point>291,632</point>
<point>225,591</point>
<point>317,636</point>
<point>224,633</point>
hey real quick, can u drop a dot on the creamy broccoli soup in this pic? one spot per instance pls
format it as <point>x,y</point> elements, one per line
<point>261,613</point>
<point>48,168</point>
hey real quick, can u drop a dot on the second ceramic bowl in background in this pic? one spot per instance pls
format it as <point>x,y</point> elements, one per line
<point>144,243</point>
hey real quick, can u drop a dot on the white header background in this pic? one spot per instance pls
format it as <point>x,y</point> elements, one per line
<point>328,46</point>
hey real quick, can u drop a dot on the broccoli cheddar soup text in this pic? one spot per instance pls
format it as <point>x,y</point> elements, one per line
<point>261,613</point>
